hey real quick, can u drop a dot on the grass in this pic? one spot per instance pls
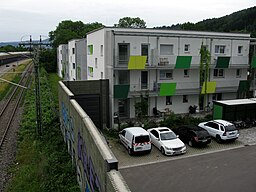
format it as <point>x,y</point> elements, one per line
<point>13,77</point>
<point>42,163</point>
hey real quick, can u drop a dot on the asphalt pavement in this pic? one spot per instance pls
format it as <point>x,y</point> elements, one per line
<point>231,170</point>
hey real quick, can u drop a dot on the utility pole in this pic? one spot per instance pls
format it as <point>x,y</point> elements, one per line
<point>36,55</point>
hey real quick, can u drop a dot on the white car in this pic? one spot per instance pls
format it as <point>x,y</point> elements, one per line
<point>166,141</point>
<point>135,139</point>
<point>220,129</point>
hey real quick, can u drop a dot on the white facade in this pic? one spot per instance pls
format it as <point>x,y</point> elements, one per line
<point>108,53</point>
<point>62,61</point>
<point>72,65</point>
<point>81,59</point>
<point>162,47</point>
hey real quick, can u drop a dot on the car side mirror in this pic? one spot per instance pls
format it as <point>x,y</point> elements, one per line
<point>157,139</point>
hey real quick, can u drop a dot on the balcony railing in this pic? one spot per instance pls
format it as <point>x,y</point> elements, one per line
<point>170,61</point>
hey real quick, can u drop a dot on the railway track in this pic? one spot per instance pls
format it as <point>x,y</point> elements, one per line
<point>11,105</point>
<point>10,115</point>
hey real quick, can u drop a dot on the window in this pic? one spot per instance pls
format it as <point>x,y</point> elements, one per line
<point>168,100</point>
<point>123,77</point>
<point>144,51</point>
<point>90,49</point>
<point>217,96</point>
<point>218,73</point>
<point>90,71</point>
<point>185,98</point>
<point>220,48</point>
<point>166,74</point>
<point>101,50</point>
<point>74,65</point>
<point>166,49</point>
<point>186,73</point>
<point>240,49</point>
<point>187,47</point>
<point>155,133</point>
<point>73,50</point>
<point>238,73</point>
<point>96,63</point>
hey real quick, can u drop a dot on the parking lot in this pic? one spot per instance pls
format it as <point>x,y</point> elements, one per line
<point>247,137</point>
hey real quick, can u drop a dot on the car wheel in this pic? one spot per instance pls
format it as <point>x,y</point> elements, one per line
<point>219,140</point>
<point>162,151</point>
<point>190,143</point>
<point>130,151</point>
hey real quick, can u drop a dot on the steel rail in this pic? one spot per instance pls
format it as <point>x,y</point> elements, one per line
<point>15,109</point>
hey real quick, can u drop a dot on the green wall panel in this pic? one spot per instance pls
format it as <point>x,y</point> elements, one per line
<point>121,91</point>
<point>222,62</point>
<point>183,62</point>
<point>137,62</point>
<point>253,64</point>
<point>211,87</point>
<point>167,89</point>
<point>244,85</point>
<point>217,111</point>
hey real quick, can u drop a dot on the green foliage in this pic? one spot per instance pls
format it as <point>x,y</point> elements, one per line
<point>205,59</point>
<point>43,164</point>
<point>141,108</point>
<point>129,22</point>
<point>48,60</point>
<point>150,124</point>
<point>10,48</point>
<point>67,30</point>
<point>241,21</point>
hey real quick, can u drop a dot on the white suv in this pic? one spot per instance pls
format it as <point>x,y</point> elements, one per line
<point>220,129</point>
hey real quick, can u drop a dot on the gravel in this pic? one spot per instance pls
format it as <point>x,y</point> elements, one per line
<point>8,152</point>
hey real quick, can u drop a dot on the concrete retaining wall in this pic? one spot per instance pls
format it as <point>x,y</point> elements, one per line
<point>97,167</point>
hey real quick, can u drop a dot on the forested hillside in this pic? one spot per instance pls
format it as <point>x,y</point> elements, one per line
<point>241,21</point>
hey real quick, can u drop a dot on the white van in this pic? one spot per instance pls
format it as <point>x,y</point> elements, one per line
<point>135,139</point>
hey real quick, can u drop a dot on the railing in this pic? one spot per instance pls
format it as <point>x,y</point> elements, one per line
<point>170,61</point>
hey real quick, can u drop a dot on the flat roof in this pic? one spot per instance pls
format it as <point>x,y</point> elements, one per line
<point>238,101</point>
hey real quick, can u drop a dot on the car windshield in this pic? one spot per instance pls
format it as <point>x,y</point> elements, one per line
<point>230,128</point>
<point>168,136</point>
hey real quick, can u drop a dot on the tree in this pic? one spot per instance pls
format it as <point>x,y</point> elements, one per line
<point>67,30</point>
<point>205,59</point>
<point>48,60</point>
<point>129,22</point>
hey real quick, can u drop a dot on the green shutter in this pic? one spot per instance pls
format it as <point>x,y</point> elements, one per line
<point>222,62</point>
<point>121,91</point>
<point>167,89</point>
<point>244,85</point>
<point>137,62</point>
<point>217,111</point>
<point>253,64</point>
<point>183,62</point>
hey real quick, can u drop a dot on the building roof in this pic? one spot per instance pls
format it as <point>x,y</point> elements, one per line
<point>238,101</point>
<point>165,32</point>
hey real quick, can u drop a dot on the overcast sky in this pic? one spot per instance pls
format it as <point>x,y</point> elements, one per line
<point>20,18</point>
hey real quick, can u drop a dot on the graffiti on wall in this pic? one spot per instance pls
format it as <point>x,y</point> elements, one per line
<point>85,168</point>
<point>68,130</point>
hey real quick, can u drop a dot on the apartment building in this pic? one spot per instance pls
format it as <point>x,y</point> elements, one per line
<point>163,66</point>
<point>62,61</point>
<point>77,59</point>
